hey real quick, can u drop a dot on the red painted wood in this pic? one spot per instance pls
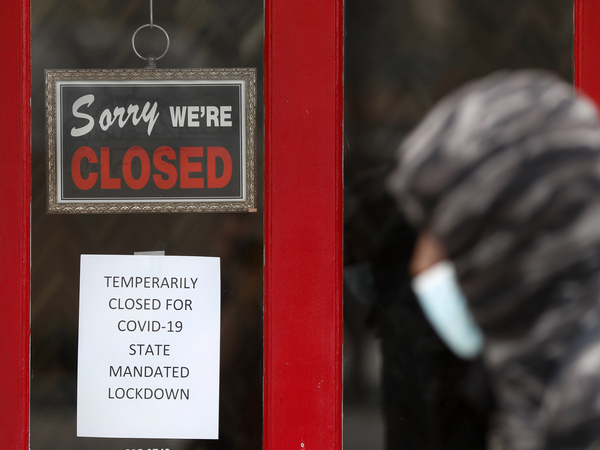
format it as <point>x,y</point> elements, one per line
<point>587,48</point>
<point>14,224</point>
<point>303,223</point>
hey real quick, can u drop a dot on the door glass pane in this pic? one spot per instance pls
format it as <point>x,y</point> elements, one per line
<point>96,34</point>
<point>402,388</point>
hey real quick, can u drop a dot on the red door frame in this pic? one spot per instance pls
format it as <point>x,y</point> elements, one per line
<point>587,48</point>
<point>303,223</point>
<point>14,224</point>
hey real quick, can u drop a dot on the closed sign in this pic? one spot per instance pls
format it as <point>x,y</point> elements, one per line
<point>144,145</point>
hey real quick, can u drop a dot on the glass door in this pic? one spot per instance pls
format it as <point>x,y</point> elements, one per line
<point>302,225</point>
<point>403,389</point>
<point>98,35</point>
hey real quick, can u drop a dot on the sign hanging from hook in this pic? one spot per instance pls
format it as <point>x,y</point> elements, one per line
<point>161,140</point>
<point>151,140</point>
<point>151,14</point>
<point>151,59</point>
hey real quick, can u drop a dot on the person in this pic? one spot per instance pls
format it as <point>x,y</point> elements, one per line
<point>502,178</point>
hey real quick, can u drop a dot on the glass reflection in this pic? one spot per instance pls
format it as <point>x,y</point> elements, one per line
<point>97,34</point>
<point>402,388</point>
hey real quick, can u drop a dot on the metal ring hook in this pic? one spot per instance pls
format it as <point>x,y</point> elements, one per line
<point>151,26</point>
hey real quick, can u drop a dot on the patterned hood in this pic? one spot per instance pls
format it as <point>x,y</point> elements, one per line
<point>505,172</point>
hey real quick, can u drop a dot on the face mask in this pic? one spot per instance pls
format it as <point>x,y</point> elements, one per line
<point>446,309</point>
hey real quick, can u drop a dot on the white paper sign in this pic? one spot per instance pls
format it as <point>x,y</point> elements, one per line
<point>148,361</point>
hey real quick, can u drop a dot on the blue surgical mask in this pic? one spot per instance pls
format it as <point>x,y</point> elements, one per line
<point>446,309</point>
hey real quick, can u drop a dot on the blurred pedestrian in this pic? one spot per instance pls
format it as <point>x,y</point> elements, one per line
<point>502,178</point>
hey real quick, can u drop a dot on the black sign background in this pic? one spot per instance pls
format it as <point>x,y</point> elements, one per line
<point>119,140</point>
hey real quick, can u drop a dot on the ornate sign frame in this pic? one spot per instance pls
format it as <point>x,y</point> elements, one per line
<point>129,199</point>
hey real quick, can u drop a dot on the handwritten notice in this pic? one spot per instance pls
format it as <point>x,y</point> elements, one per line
<point>149,339</point>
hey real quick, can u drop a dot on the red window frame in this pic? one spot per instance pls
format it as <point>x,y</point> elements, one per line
<point>586,58</point>
<point>15,188</point>
<point>303,223</point>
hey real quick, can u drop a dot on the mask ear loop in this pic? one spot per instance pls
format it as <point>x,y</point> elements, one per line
<point>151,58</point>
